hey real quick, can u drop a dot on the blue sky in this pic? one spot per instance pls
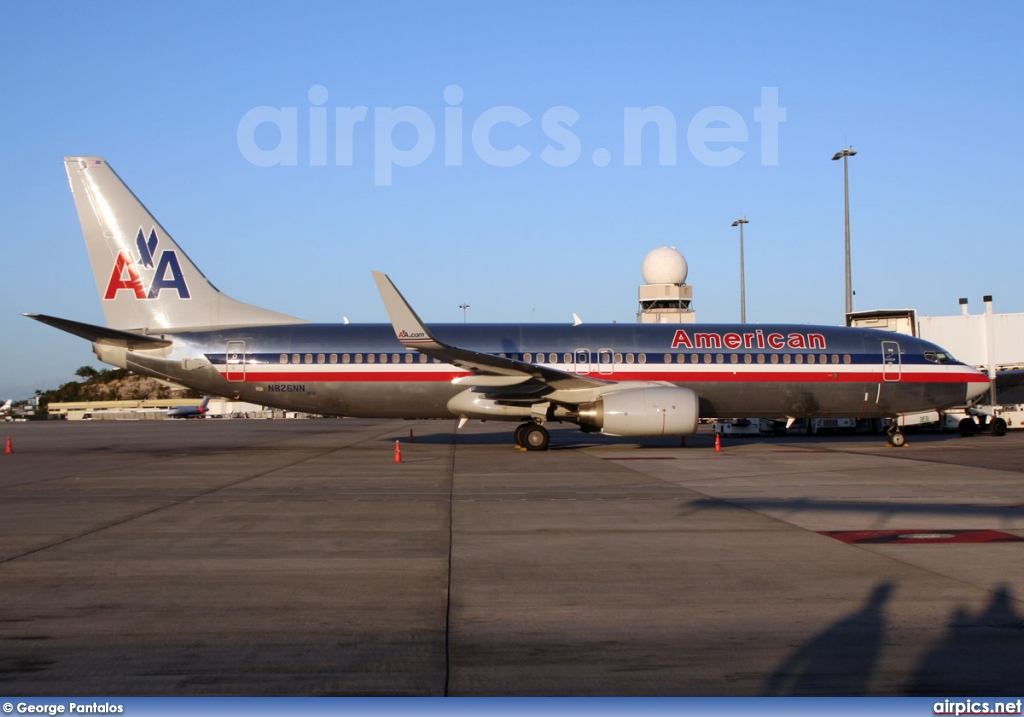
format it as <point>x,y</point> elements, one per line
<point>929,94</point>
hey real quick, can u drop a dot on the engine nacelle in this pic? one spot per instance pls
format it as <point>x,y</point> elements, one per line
<point>644,411</point>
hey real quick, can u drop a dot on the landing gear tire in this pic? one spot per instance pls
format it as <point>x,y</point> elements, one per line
<point>897,439</point>
<point>967,427</point>
<point>998,426</point>
<point>532,437</point>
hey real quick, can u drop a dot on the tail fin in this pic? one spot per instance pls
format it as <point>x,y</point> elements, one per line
<point>146,282</point>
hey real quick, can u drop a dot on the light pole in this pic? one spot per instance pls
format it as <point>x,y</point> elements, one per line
<point>463,307</point>
<point>846,154</point>
<point>743,291</point>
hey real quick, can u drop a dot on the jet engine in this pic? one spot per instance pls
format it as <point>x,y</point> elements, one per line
<point>643,411</point>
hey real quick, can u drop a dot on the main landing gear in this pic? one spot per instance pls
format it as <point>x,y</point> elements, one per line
<point>532,437</point>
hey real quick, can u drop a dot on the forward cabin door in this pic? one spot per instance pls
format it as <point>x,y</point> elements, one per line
<point>235,361</point>
<point>892,368</point>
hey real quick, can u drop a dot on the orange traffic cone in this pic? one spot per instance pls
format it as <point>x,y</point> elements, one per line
<point>718,443</point>
<point>9,448</point>
<point>398,452</point>
<point>412,438</point>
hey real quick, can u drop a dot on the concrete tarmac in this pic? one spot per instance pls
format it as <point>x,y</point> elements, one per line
<point>297,558</point>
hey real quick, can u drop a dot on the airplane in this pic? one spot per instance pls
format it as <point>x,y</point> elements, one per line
<point>6,408</point>
<point>164,319</point>
<point>189,411</point>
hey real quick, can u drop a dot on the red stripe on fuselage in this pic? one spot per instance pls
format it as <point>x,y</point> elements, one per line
<point>724,376</point>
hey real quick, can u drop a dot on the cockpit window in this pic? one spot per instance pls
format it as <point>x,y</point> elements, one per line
<point>938,357</point>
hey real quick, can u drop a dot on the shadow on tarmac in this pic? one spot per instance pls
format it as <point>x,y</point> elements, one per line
<point>981,654</point>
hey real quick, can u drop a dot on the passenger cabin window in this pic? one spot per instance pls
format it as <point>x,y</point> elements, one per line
<point>321,358</point>
<point>295,358</point>
<point>309,358</point>
<point>283,358</point>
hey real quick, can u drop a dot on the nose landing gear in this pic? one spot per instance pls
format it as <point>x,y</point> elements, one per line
<point>896,438</point>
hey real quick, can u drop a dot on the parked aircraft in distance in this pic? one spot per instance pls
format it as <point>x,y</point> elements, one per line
<point>166,320</point>
<point>189,411</point>
<point>6,408</point>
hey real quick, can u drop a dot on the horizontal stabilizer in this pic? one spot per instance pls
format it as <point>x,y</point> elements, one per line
<point>102,334</point>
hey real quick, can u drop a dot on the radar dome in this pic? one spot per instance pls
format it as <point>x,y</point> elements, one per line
<point>664,266</point>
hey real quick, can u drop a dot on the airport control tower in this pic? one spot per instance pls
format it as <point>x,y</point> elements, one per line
<point>665,297</point>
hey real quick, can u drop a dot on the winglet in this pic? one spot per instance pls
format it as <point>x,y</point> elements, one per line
<point>408,327</point>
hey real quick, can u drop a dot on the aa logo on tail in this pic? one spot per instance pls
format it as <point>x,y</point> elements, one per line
<point>126,274</point>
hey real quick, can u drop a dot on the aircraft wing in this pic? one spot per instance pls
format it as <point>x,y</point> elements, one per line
<point>488,369</point>
<point>102,334</point>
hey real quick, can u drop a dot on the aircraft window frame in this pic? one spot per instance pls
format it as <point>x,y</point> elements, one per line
<point>308,358</point>
<point>694,358</point>
<point>939,357</point>
<point>296,358</point>
<point>346,358</point>
<point>835,358</point>
<point>321,358</point>
<point>847,358</point>
<point>747,358</point>
<point>734,358</point>
<point>641,358</point>
<point>630,358</point>
<point>358,358</point>
<point>618,358</point>
<point>719,358</point>
<point>371,358</point>
<point>408,358</point>
<point>811,359</point>
<point>798,358</point>
<point>528,357</point>
<point>787,358</point>
<point>395,358</point>
<point>567,358</point>
<point>283,358</point>
<point>775,358</point>
<point>333,358</point>
<point>423,358</point>
<point>707,358</point>
<point>668,358</point>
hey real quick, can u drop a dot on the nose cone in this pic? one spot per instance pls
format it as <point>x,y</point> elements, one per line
<point>977,385</point>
